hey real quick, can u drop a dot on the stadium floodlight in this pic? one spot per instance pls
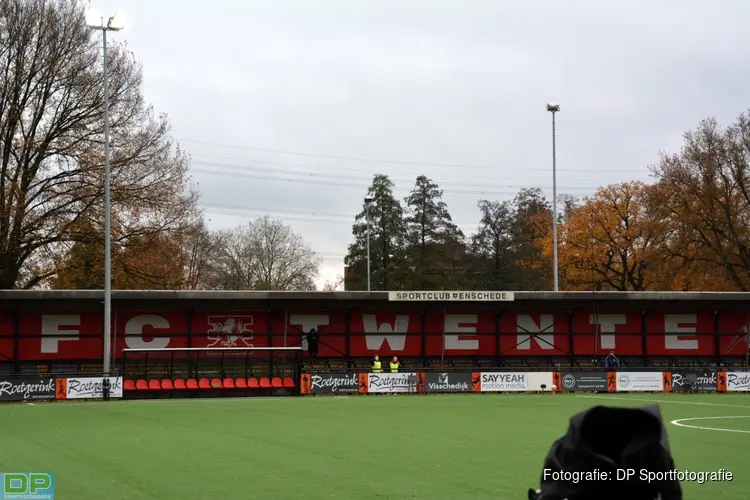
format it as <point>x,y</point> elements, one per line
<point>368,201</point>
<point>554,108</point>
<point>114,23</point>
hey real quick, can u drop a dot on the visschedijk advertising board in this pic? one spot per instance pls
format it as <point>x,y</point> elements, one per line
<point>448,382</point>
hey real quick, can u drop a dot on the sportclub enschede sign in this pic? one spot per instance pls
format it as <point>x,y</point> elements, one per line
<point>450,296</point>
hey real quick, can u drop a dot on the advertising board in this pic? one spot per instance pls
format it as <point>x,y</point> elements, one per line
<point>88,388</point>
<point>584,381</point>
<point>27,388</point>
<point>448,382</point>
<point>700,381</point>
<point>639,381</point>
<point>504,382</point>
<point>333,383</point>
<point>392,382</point>
<point>738,381</point>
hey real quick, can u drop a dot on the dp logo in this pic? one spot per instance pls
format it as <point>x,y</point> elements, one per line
<point>37,485</point>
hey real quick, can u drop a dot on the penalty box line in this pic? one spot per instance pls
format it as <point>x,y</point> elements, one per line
<point>693,403</point>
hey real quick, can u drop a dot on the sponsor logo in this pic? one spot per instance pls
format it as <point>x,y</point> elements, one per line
<point>93,387</point>
<point>31,485</point>
<point>334,382</point>
<point>584,381</point>
<point>504,382</point>
<point>738,381</point>
<point>640,381</point>
<point>706,380</point>
<point>234,330</point>
<point>26,389</point>
<point>448,382</point>
<point>392,382</point>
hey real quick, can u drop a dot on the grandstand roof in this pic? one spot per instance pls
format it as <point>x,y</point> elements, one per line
<point>351,296</point>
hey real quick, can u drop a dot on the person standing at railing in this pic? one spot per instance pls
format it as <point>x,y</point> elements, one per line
<point>312,343</point>
<point>377,366</point>
<point>611,361</point>
<point>105,388</point>
<point>395,365</point>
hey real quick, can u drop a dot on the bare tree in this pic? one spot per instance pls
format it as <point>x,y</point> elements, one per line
<point>336,285</point>
<point>51,127</point>
<point>264,254</point>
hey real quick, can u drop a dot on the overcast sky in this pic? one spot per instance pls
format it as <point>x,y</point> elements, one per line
<point>265,94</point>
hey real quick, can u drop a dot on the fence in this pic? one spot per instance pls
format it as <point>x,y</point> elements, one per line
<point>497,382</point>
<point>50,388</point>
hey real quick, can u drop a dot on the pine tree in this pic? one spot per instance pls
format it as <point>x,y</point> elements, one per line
<point>491,251</point>
<point>387,240</point>
<point>435,243</point>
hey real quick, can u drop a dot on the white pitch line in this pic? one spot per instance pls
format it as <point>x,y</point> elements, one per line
<point>694,403</point>
<point>679,423</point>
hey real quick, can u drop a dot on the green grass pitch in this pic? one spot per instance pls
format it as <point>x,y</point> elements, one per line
<point>470,447</point>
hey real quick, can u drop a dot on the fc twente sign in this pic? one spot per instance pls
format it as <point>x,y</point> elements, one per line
<point>450,296</point>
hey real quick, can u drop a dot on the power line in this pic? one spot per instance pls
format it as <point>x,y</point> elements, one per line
<point>291,180</point>
<point>323,217</point>
<point>394,162</point>
<point>365,179</point>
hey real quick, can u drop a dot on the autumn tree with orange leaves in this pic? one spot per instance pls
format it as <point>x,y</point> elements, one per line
<point>611,241</point>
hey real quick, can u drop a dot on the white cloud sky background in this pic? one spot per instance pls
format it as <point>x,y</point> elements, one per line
<point>429,82</point>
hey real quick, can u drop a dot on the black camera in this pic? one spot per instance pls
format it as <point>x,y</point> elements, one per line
<point>587,463</point>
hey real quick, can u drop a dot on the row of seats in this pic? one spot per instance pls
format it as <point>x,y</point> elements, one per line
<point>204,383</point>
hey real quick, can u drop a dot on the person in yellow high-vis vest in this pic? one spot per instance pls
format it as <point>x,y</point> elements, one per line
<point>395,365</point>
<point>377,366</point>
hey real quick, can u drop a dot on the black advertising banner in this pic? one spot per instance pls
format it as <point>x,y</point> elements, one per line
<point>333,382</point>
<point>584,381</point>
<point>447,382</point>
<point>702,381</point>
<point>27,388</point>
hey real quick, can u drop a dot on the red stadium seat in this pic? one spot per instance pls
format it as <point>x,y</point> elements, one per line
<point>153,385</point>
<point>192,384</point>
<point>228,383</point>
<point>289,383</point>
<point>166,384</point>
<point>129,385</point>
<point>216,383</point>
<point>276,383</point>
<point>265,383</point>
<point>252,383</point>
<point>141,385</point>
<point>179,384</point>
<point>240,383</point>
<point>204,384</point>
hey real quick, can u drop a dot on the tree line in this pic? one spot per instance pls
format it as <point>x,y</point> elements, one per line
<point>686,230</point>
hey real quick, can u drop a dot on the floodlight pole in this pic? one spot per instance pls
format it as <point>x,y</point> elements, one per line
<point>367,217</point>
<point>554,108</point>
<point>104,28</point>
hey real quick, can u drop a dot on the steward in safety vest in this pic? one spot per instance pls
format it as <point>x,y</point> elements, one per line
<point>377,366</point>
<point>395,365</point>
